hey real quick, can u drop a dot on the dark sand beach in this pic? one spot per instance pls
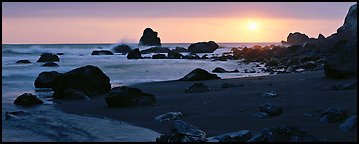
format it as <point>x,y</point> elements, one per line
<point>224,110</point>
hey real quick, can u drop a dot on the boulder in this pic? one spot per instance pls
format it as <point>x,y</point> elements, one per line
<point>134,54</point>
<point>199,74</point>
<point>174,55</point>
<point>27,99</point>
<point>155,50</point>
<point>349,124</point>
<point>219,70</point>
<point>47,79</point>
<point>203,47</point>
<point>270,109</point>
<point>48,57</point>
<point>124,49</point>
<point>127,96</point>
<point>75,94</point>
<point>333,114</point>
<point>159,56</point>
<point>23,61</point>
<point>101,52</point>
<point>88,79</point>
<point>50,64</point>
<point>197,88</point>
<point>297,38</point>
<point>149,38</point>
<point>283,134</point>
<point>183,132</point>
<point>179,49</point>
<point>168,116</point>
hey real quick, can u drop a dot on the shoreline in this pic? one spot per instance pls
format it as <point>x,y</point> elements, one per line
<point>224,110</point>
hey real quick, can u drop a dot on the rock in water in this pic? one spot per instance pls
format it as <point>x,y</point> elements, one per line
<point>174,55</point>
<point>297,38</point>
<point>159,56</point>
<point>183,132</point>
<point>283,134</point>
<point>127,96</point>
<point>88,79</point>
<point>169,116</point>
<point>46,79</point>
<point>332,114</point>
<point>23,61</point>
<point>149,38</point>
<point>134,54</point>
<point>199,74</point>
<point>203,47</point>
<point>348,124</point>
<point>197,88</point>
<point>219,70</point>
<point>50,64</point>
<point>101,52</point>
<point>27,99</point>
<point>124,49</point>
<point>48,57</point>
<point>156,50</point>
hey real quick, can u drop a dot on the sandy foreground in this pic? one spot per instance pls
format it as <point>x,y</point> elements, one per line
<point>224,110</point>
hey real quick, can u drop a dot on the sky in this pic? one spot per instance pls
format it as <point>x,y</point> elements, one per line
<point>175,22</point>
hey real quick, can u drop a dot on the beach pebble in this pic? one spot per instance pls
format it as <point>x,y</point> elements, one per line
<point>271,109</point>
<point>270,94</point>
<point>27,99</point>
<point>183,132</point>
<point>332,114</point>
<point>240,136</point>
<point>283,134</point>
<point>197,88</point>
<point>349,124</point>
<point>169,116</point>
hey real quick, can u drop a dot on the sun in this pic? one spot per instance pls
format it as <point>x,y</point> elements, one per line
<point>252,26</point>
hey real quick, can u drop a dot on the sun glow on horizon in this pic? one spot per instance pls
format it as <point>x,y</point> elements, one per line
<point>252,26</point>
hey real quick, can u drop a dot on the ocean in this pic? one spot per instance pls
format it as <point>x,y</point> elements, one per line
<point>19,78</point>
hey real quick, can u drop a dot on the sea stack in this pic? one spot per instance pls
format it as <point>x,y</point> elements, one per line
<point>149,38</point>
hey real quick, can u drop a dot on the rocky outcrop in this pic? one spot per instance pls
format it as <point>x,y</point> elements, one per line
<point>297,38</point>
<point>127,96</point>
<point>89,79</point>
<point>101,52</point>
<point>48,57</point>
<point>149,38</point>
<point>155,50</point>
<point>124,49</point>
<point>23,61</point>
<point>199,74</point>
<point>183,132</point>
<point>203,47</point>
<point>50,64</point>
<point>134,54</point>
<point>159,56</point>
<point>27,99</point>
<point>47,79</point>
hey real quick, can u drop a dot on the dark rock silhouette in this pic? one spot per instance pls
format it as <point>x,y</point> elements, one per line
<point>203,47</point>
<point>321,37</point>
<point>332,115</point>
<point>23,61</point>
<point>48,57</point>
<point>149,38</point>
<point>27,99</point>
<point>124,49</point>
<point>179,49</point>
<point>197,88</point>
<point>134,54</point>
<point>88,79</point>
<point>159,56</point>
<point>128,96</point>
<point>297,38</point>
<point>155,50</point>
<point>183,132</point>
<point>101,52</point>
<point>46,79</point>
<point>174,55</point>
<point>199,74</point>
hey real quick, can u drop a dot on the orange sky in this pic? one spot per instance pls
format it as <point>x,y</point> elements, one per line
<point>85,29</point>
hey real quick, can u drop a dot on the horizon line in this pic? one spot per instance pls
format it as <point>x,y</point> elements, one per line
<point>135,43</point>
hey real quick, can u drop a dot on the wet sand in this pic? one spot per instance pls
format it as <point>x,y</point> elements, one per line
<point>224,110</point>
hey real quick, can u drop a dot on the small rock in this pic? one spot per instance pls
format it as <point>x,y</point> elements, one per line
<point>48,57</point>
<point>27,99</point>
<point>332,114</point>
<point>270,94</point>
<point>101,52</point>
<point>199,74</point>
<point>260,115</point>
<point>50,64</point>
<point>168,116</point>
<point>271,109</point>
<point>197,88</point>
<point>349,124</point>
<point>183,132</point>
<point>23,61</point>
